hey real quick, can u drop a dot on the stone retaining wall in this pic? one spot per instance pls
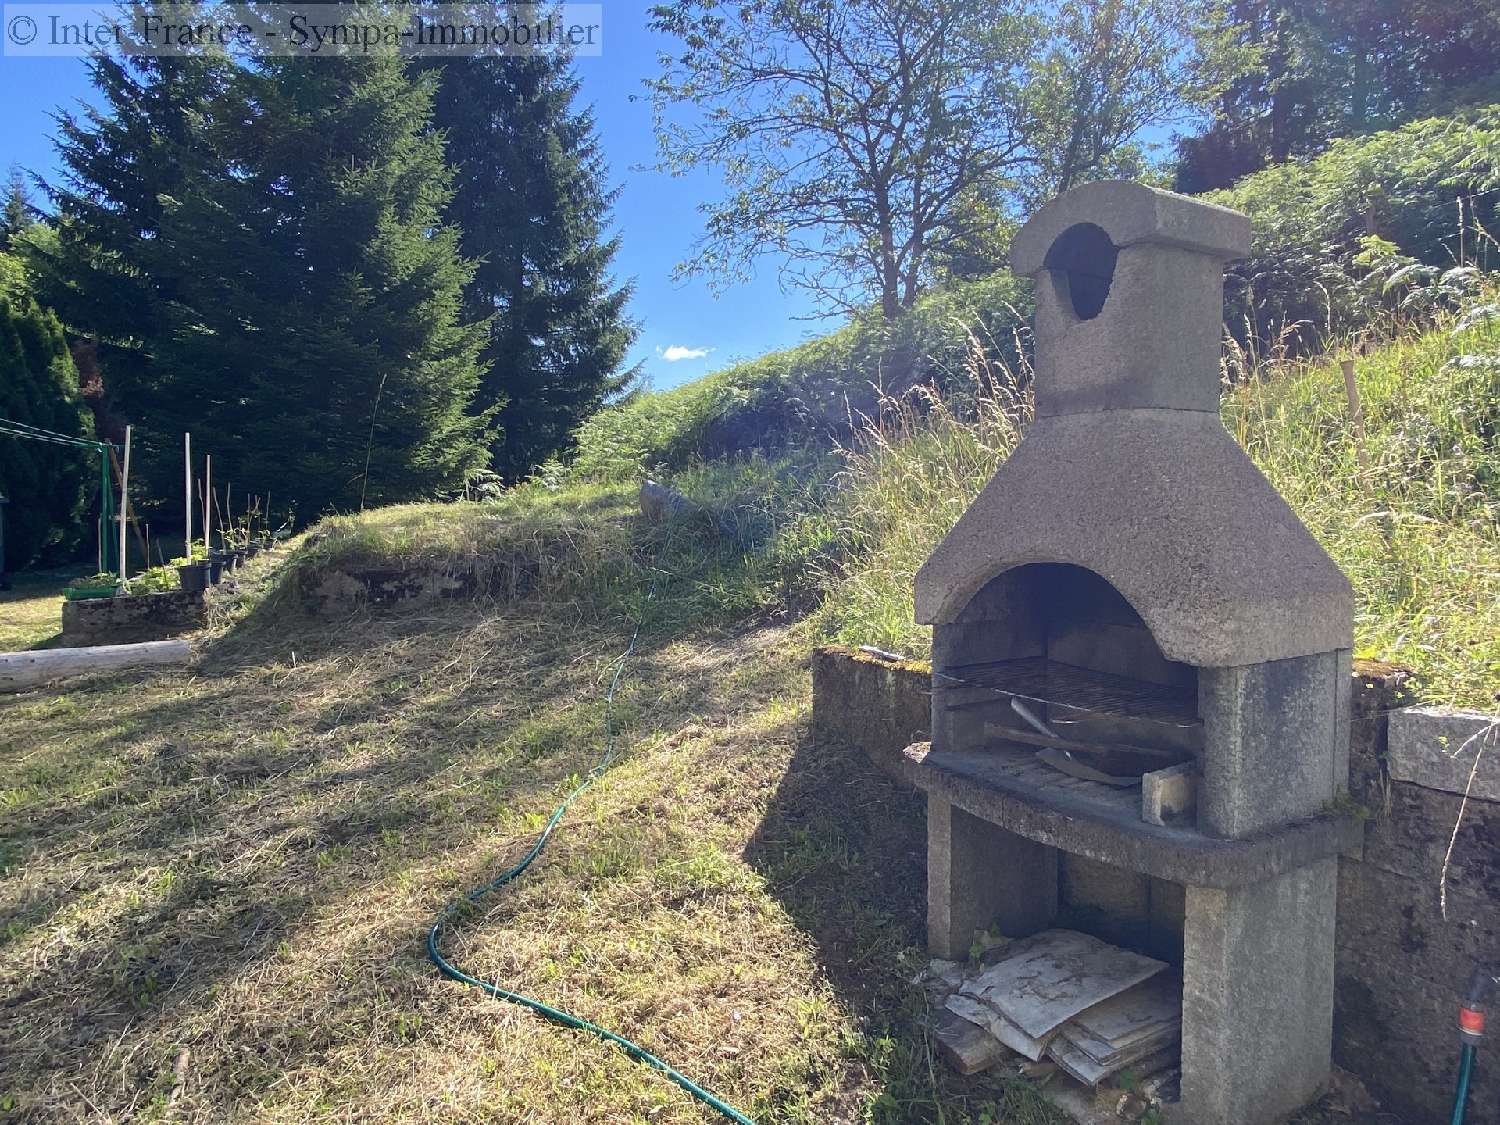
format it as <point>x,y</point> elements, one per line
<point>132,618</point>
<point>1401,966</point>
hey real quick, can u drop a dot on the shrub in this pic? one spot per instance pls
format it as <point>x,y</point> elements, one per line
<point>47,484</point>
<point>1428,192</point>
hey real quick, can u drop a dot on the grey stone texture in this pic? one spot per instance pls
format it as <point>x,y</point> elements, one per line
<point>1127,470</point>
<point>1155,340</point>
<point>1171,795</point>
<point>348,590</point>
<point>1257,1005</point>
<point>1078,824</point>
<point>132,618</point>
<point>1269,743</point>
<point>1131,213</point>
<point>1400,965</point>
<point>1165,507</point>
<point>870,703</point>
<point>1154,344</point>
<point>1447,750</point>
<point>1123,907</point>
<point>980,875</point>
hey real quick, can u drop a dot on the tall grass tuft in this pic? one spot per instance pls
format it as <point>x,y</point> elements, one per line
<point>912,470</point>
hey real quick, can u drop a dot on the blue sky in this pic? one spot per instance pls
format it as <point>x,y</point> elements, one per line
<point>656,214</point>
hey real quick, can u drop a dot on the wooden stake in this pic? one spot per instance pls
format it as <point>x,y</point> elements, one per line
<point>208,490</point>
<point>135,524</point>
<point>187,496</point>
<point>125,505</point>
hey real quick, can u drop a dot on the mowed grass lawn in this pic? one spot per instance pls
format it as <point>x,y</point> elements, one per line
<point>31,611</point>
<point>215,883</point>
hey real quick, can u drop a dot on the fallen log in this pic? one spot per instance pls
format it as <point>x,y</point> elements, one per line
<point>20,671</point>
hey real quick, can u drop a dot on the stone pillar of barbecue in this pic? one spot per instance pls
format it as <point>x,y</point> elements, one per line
<point>1128,471</point>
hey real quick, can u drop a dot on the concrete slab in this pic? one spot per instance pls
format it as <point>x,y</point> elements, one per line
<point>978,876</point>
<point>1257,1006</point>
<point>1269,742</point>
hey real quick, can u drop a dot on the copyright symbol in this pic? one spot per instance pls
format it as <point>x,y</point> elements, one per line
<point>21,30</point>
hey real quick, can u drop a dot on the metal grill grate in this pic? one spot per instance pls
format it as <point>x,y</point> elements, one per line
<point>1078,689</point>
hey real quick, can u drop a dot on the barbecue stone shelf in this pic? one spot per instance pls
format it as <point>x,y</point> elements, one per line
<point>1006,786</point>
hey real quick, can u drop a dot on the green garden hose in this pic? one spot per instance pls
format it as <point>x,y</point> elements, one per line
<point>1461,1093</point>
<point>1471,1017</point>
<point>557,1015</point>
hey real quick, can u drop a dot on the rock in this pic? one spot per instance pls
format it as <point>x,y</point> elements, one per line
<point>660,502</point>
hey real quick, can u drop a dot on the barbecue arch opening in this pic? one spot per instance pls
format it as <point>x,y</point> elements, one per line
<point>1084,257</point>
<point>1067,646</point>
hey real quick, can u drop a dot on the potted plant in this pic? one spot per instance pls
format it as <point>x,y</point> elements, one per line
<point>192,571</point>
<point>101,585</point>
<point>234,547</point>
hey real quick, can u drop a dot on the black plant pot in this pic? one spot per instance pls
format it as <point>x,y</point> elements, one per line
<point>193,578</point>
<point>239,558</point>
<point>217,564</point>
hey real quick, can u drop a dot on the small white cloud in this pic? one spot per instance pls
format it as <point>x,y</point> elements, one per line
<point>677,352</point>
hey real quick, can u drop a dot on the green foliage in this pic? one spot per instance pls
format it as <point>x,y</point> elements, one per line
<point>1428,190</point>
<point>1328,71</point>
<point>264,253</point>
<point>868,142</point>
<point>817,392</point>
<point>17,215</point>
<point>48,485</point>
<point>531,204</point>
<point>159,579</point>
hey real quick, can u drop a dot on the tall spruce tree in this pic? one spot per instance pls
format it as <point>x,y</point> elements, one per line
<point>532,203</point>
<point>16,212</point>
<point>103,271</point>
<point>298,294</point>
<point>47,484</point>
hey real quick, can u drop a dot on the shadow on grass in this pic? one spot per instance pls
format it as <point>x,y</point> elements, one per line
<point>190,826</point>
<point>843,847</point>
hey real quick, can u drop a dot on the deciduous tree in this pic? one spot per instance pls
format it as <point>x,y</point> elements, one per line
<point>864,140</point>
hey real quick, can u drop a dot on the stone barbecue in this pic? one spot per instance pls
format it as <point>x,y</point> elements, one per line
<point>1141,666</point>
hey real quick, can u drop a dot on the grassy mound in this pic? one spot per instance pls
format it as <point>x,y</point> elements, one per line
<point>215,882</point>
<point>1411,511</point>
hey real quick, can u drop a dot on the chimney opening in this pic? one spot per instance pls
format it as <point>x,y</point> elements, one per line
<point>1085,257</point>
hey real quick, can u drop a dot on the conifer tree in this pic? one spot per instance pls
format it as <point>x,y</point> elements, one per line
<point>16,213</point>
<point>297,294</point>
<point>533,206</point>
<point>102,271</point>
<point>48,485</point>
<point>320,330</point>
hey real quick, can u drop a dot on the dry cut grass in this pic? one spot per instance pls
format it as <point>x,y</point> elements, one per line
<point>215,883</point>
<point>30,612</point>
